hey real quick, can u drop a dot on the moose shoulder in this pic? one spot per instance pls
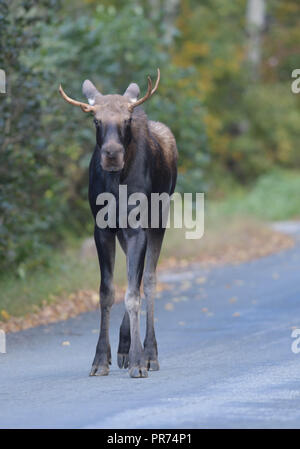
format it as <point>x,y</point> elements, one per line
<point>141,155</point>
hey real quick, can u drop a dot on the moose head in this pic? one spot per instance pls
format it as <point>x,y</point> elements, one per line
<point>112,118</point>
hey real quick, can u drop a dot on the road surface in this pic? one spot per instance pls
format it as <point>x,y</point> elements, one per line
<point>224,339</point>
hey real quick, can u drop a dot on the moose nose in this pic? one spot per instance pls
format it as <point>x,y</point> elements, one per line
<point>110,154</point>
<point>112,151</point>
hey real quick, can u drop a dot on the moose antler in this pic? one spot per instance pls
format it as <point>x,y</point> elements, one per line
<point>149,93</point>
<point>84,106</point>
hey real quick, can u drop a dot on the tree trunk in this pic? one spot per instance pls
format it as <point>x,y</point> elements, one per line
<point>255,18</point>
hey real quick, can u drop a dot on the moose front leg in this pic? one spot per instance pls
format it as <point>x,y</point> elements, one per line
<point>136,247</point>
<point>105,243</point>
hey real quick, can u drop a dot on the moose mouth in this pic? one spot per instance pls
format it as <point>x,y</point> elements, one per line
<point>113,168</point>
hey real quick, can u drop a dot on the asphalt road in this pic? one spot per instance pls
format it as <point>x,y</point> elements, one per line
<point>224,339</point>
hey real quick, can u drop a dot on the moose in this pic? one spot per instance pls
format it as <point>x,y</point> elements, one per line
<point>141,154</point>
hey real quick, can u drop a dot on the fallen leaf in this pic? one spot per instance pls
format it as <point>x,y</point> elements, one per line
<point>201,280</point>
<point>239,282</point>
<point>5,315</point>
<point>95,298</point>
<point>185,286</point>
<point>169,306</point>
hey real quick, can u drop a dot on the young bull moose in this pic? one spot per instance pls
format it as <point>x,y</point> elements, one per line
<point>141,154</point>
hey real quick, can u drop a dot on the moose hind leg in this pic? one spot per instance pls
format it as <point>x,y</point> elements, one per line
<point>155,238</point>
<point>124,336</point>
<point>124,342</point>
<point>136,247</point>
<point>150,343</point>
<point>137,365</point>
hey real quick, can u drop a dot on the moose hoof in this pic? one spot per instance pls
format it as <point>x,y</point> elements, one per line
<point>123,360</point>
<point>99,370</point>
<point>153,365</point>
<point>138,371</point>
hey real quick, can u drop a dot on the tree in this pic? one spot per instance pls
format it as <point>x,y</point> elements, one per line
<point>255,18</point>
<point>27,212</point>
<point>46,146</point>
<point>250,119</point>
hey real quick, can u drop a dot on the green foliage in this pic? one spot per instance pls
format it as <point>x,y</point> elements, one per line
<point>28,210</point>
<point>271,133</point>
<point>275,196</point>
<point>113,48</point>
<point>251,125</point>
<point>46,144</point>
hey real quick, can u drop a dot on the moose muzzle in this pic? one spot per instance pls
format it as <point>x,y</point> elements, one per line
<point>112,157</point>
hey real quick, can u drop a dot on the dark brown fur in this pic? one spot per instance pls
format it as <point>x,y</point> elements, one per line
<point>141,154</point>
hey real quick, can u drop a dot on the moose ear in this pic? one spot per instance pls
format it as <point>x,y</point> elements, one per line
<point>90,91</point>
<point>132,92</point>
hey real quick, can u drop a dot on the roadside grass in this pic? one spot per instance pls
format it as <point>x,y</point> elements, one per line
<point>275,196</point>
<point>234,226</point>
<point>68,272</point>
<point>240,219</point>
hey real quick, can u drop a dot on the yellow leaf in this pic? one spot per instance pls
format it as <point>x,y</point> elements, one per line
<point>169,306</point>
<point>5,314</point>
<point>201,280</point>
